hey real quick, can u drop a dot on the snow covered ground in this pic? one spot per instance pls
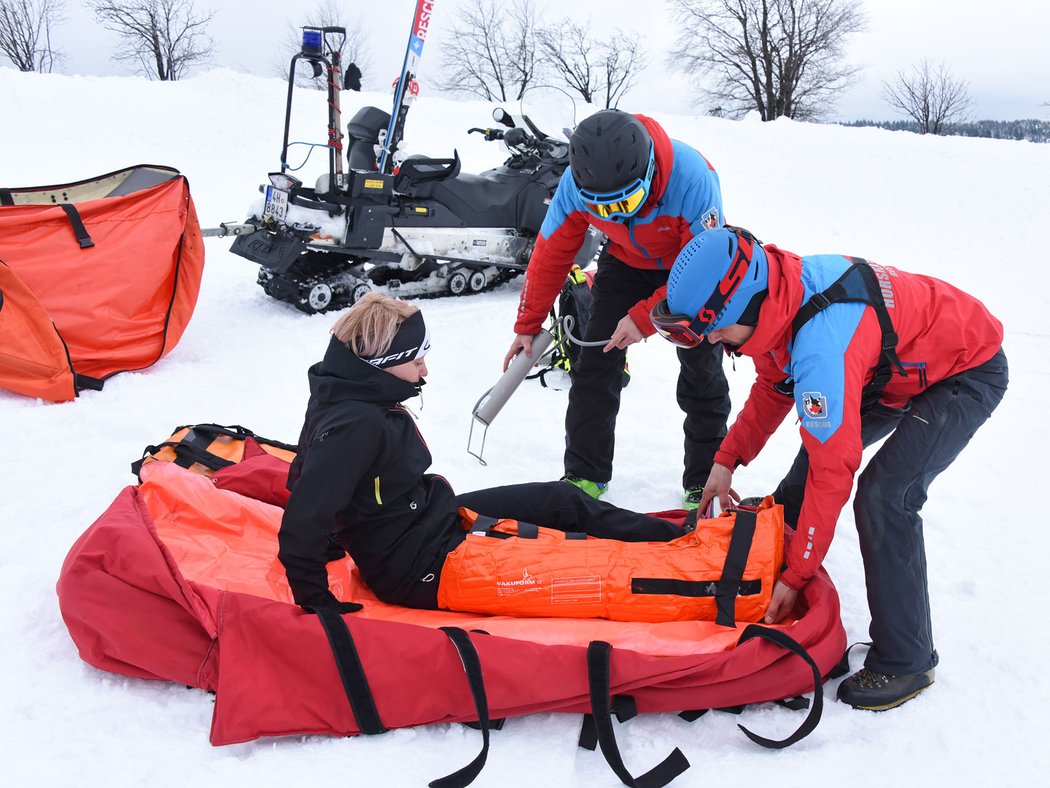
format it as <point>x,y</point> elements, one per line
<point>971,211</point>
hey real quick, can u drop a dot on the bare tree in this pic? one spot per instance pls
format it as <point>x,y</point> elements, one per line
<point>162,37</point>
<point>929,96</point>
<point>599,70</point>
<point>623,60</point>
<point>783,58</point>
<point>492,51</point>
<point>354,50</point>
<point>25,33</point>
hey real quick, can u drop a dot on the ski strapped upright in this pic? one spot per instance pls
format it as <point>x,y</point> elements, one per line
<point>406,83</point>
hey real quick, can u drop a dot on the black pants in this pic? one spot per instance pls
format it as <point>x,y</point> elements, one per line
<point>926,438</point>
<point>594,398</point>
<point>566,507</point>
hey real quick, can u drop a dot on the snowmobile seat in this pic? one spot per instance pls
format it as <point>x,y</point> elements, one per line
<point>419,169</point>
<point>364,128</point>
<point>489,199</point>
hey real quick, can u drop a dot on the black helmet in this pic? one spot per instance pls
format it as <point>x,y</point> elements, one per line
<point>609,150</point>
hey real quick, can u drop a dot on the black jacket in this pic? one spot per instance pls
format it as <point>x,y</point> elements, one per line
<point>359,479</point>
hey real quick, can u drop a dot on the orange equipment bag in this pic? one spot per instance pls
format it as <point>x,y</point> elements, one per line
<point>207,448</point>
<point>722,571</point>
<point>96,277</point>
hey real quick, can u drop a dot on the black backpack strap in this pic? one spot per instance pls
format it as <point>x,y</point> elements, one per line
<point>729,586</point>
<point>598,672</point>
<point>808,725</point>
<point>78,225</point>
<point>472,666</point>
<point>351,671</point>
<point>859,283</point>
<point>889,335</point>
<point>849,287</point>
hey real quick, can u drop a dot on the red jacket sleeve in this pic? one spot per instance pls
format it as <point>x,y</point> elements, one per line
<point>561,237</point>
<point>640,312</point>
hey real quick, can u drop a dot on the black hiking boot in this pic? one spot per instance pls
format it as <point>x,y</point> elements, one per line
<point>867,689</point>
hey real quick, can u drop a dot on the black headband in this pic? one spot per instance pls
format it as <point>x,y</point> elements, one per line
<point>411,341</point>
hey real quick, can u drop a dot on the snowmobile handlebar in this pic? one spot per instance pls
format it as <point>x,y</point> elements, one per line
<point>490,134</point>
<point>519,138</point>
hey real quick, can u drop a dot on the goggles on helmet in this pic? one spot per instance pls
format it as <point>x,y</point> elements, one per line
<point>681,330</point>
<point>689,331</point>
<point>625,202</point>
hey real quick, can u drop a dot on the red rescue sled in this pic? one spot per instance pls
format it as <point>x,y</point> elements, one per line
<point>179,580</point>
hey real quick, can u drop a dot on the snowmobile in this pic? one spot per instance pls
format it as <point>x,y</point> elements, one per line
<point>420,229</point>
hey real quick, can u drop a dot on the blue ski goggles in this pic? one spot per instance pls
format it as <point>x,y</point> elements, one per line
<point>622,203</point>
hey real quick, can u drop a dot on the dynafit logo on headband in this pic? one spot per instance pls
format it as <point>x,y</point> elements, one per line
<point>394,359</point>
<point>412,341</point>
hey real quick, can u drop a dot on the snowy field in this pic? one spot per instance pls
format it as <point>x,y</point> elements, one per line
<point>974,212</point>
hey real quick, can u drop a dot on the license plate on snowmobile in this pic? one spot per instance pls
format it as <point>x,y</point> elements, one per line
<point>276,204</point>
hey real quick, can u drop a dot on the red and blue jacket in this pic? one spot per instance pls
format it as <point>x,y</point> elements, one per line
<point>941,331</point>
<point>685,199</point>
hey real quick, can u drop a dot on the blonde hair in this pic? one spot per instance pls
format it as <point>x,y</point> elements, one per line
<point>369,326</point>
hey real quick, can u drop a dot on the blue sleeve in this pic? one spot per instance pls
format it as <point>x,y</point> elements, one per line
<point>818,366</point>
<point>819,393</point>
<point>564,203</point>
<point>699,188</point>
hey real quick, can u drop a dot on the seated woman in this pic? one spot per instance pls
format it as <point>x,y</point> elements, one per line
<point>359,481</point>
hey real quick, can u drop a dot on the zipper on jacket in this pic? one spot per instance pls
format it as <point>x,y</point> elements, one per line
<point>921,367</point>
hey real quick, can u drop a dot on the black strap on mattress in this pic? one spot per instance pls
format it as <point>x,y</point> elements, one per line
<point>623,708</point>
<point>733,570</point>
<point>78,225</point>
<point>468,655</point>
<point>6,198</point>
<point>193,448</point>
<point>784,640</point>
<point>690,588</point>
<point>483,525</point>
<point>598,672</point>
<point>351,671</point>
<point>528,530</point>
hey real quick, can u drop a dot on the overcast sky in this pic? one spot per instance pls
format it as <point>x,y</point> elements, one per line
<point>999,48</point>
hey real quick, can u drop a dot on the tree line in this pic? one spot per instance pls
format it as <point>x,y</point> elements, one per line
<point>779,58</point>
<point>1030,130</point>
